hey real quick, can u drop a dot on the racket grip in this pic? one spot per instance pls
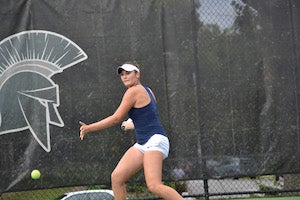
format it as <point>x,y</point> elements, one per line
<point>128,121</point>
<point>123,128</point>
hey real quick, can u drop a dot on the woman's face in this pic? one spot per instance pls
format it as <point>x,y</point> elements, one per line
<point>130,79</point>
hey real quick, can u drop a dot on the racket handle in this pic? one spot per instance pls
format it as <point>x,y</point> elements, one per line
<point>128,121</point>
<point>123,128</point>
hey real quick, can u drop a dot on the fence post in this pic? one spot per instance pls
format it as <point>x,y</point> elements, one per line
<point>206,193</point>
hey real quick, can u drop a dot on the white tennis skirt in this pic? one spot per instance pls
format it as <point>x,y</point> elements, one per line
<point>157,142</point>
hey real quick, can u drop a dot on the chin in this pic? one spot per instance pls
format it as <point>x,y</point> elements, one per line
<point>127,85</point>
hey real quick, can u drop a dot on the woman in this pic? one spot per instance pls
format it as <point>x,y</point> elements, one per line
<point>152,143</point>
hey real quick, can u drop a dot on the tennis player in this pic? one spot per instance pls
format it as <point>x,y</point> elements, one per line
<point>152,145</point>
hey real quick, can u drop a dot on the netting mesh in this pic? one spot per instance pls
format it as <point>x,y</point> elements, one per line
<point>225,74</point>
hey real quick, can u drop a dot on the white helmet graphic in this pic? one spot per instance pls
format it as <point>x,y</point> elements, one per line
<point>28,97</point>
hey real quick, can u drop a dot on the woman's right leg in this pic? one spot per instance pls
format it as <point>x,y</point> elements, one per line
<point>130,163</point>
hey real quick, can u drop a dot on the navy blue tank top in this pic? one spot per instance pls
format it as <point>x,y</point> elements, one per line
<point>146,121</point>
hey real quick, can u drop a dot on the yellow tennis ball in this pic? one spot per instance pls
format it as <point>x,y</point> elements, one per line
<point>35,174</point>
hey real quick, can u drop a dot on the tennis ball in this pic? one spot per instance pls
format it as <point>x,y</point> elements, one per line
<point>35,174</point>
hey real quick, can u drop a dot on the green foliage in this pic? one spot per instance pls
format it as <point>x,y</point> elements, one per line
<point>138,190</point>
<point>178,186</point>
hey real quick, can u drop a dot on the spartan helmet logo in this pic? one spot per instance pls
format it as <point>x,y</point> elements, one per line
<point>28,97</point>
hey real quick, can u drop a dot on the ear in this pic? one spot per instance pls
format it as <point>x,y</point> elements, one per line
<point>138,74</point>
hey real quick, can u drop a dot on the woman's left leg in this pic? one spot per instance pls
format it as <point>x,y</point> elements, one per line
<point>153,161</point>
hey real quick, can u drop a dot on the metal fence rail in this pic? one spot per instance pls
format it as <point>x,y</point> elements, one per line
<point>193,189</point>
<point>242,85</point>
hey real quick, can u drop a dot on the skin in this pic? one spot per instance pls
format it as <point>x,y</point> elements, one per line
<point>133,160</point>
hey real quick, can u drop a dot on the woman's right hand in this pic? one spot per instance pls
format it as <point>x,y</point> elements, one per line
<point>83,129</point>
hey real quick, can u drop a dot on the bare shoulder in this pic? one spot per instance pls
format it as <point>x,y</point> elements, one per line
<point>136,88</point>
<point>139,94</point>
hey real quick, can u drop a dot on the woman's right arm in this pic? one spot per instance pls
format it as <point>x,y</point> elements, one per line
<point>127,103</point>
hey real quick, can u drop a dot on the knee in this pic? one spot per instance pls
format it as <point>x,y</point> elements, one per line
<point>153,187</point>
<point>115,177</point>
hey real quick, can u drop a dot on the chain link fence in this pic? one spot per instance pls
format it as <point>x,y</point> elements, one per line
<point>272,186</point>
<point>236,50</point>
